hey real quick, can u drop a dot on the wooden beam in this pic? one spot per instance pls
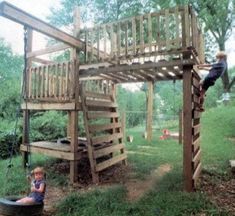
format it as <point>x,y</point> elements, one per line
<point>42,61</point>
<point>187,130</point>
<point>150,112</point>
<point>17,15</point>
<point>48,50</point>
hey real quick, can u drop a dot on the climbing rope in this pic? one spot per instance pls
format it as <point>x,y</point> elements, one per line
<point>22,95</point>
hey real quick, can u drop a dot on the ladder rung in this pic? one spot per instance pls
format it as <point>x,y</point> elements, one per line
<point>106,138</point>
<point>102,115</point>
<point>108,150</point>
<point>110,162</point>
<point>103,127</point>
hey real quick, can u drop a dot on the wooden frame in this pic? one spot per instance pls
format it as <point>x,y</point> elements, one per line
<point>130,59</point>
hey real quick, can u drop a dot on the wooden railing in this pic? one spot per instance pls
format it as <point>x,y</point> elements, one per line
<point>51,82</point>
<point>150,34</point>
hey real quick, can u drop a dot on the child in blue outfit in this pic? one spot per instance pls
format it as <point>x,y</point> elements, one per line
<point>38,188</point>
<point>215,71</point>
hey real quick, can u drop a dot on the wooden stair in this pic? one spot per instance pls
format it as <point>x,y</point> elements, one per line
<point>103,131</point>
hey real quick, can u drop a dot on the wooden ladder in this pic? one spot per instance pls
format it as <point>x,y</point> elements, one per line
<point>103,131</point>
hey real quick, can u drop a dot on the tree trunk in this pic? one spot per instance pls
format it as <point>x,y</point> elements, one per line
<point>224,77</point>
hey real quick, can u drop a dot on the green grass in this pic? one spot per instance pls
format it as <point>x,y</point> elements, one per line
<point>167,196</point>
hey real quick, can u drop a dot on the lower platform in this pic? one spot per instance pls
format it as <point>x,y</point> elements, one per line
<point>54,149</point>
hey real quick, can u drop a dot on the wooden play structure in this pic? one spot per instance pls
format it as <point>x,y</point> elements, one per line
<point>164,45</point>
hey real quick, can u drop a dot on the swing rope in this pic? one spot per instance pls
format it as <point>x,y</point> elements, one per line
<point>22,95</point>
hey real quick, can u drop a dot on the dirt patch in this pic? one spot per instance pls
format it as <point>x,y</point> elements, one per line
<point>136,188</point>
<point>221,191</point>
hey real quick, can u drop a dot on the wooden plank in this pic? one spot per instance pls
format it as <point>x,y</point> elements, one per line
<point>197,172</point>
<point>52,153</point>
<point>196,114</point>
<point>100,103</point>
<point>42,61</point>
<point>158,32</point>
<point>106,138</point>
<point>196,129</point>
<point>108,150</point>
<point>197,158</point>
<point>102,115</point>
<point>187,130</point>
<point>196,82</point>
<point>49,106</point>
<point>196,144</point>
<point>17,15</point>
<point>103,127</point>
<point>110,162</point>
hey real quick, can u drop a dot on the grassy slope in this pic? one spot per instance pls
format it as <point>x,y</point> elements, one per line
<point>166,198</point>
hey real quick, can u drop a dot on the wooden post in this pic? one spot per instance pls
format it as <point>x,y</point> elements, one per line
<point>26,112</point>
<point>180,126</point>
<point>73,115</point>
<point>124,125</point>
<point>74,144</point>
<point>187,129</point>
<point>150,111</point>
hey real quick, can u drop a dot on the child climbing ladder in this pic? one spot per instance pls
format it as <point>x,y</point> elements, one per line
<point>216,70</point>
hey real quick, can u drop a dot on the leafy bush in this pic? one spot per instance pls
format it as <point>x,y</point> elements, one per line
<point>7,139</point>
<point>48,125</point>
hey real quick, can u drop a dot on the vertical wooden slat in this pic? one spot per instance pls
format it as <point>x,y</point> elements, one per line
<point>92,44</point>
<point>86,45</point>
<point>177,23</point>
<point>158,32</point>
<point>43,81</point>
<point>67,80</point>
<point>118,39</point>
<point>167,29</point>
<point>141,34</point>
<point>48,80</point>
<point>29,72</point>
<point>150,111</point>
<point>187,26</point>
<point>105,40</point>
<point>126,38</point>
<point>180,127</point>
<point>56,84</point>
<point>98,43</point>
<point>61,81</point>
<point>134,35</point>
<point>187,130</point>
<point>37,81</point>
<point>112,41</point>
<point>194,30</point>
<point>150,32</point>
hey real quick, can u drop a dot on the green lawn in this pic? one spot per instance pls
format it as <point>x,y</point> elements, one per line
<point>166,196</point>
